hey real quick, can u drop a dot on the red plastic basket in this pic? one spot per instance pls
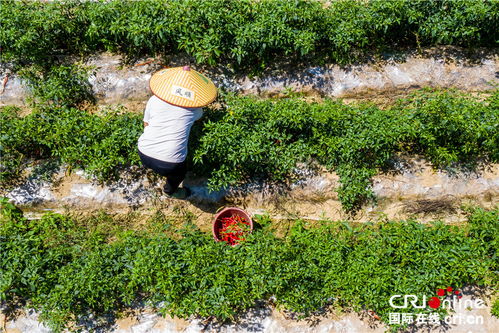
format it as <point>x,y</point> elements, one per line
<point>227,212</point>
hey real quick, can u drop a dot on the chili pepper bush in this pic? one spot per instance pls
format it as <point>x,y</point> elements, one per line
<point>71,267</point>
<point>241,32</point>
<point>251,139</point>
<point>266,139</point>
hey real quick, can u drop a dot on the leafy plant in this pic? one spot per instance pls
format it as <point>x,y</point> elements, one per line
<point>251,139</point>
<point>267,138</point>
<point>495,308</point>
<point>58,85</point>
<point>101,144</point>
<point>245,33</point>
<point>68,268</point>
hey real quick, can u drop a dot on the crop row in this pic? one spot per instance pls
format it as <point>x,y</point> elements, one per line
<point>251,139</point>
<point>70,268</point>
<point>245,32</point>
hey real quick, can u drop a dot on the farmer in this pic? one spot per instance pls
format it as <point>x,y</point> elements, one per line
<point>178,97</point>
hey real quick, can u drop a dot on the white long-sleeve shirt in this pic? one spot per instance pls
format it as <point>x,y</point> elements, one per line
<point>167,135</point>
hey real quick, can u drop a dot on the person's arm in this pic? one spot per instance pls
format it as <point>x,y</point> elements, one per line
<point>147,115</point>
<point>200,113</point>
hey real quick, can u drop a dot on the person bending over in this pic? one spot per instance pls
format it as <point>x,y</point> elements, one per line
<point>179,95</point>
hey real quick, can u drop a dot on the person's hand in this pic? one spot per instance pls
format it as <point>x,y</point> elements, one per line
<point>146,124</point>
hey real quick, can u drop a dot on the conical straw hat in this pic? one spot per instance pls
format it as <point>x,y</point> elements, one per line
<point>183,86</point>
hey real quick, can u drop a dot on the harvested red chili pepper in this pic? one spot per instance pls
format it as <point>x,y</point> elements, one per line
<point>233,228</point>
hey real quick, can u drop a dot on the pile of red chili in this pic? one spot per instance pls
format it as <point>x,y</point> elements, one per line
<point>233,228</point>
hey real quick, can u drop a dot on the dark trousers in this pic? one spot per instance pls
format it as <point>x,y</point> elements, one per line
<point>174,172</point>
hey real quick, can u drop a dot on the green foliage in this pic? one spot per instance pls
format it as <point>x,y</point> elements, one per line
<point>266,139</point>
<point>101,144</point>
<point>10,156</point>
<point>254,139</point>
<point>67,268</point>
<point>481,221</point>
<point>242,32</point>
<point>454,129</point>
<point>495,308</point>
<point>38,32</point>
<point>58,85</point>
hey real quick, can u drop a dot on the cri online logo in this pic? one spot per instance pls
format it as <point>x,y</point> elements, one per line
<point>434,301</point>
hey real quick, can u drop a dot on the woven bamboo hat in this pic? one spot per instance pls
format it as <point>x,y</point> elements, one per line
<point>183,86</point>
